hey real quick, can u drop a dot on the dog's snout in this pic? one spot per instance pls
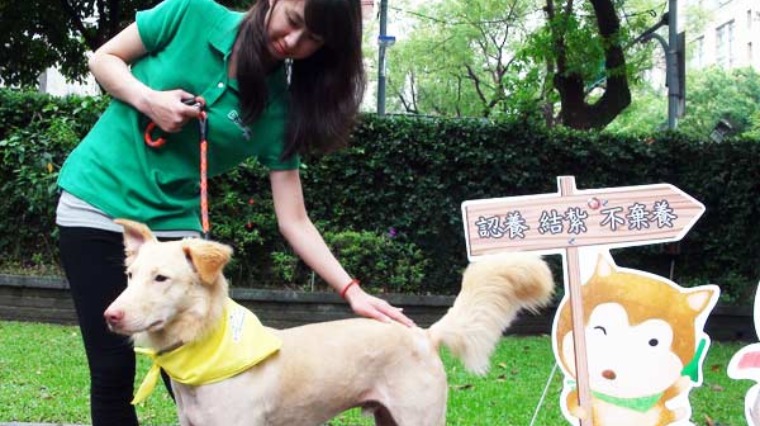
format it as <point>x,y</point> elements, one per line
<point>113,316</point>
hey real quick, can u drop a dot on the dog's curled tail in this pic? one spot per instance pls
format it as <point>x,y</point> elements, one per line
<point>493,291</point>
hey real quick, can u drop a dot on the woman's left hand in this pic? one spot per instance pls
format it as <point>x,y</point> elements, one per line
<point>370,306</point>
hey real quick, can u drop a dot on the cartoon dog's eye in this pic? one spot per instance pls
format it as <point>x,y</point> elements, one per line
<point>161,278</point>
<point>653,342</point>
<point>602,329</point>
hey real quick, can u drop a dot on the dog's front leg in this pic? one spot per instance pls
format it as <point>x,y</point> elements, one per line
<point>229,403</point>
<point>183,401</point>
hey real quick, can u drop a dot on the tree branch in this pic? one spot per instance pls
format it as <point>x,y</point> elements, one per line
<point>476,81</point>
<point>76,20</point>
<point>576,112</point>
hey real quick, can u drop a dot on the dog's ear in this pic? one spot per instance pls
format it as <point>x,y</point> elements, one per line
<point>208,258</point>
<point>135,235</point>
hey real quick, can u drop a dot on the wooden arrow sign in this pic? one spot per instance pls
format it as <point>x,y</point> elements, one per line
<point>615,217</point>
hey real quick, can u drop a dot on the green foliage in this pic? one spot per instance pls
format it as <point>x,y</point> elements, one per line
<point>463,59</point>
<point>648,112</point>
<point>712,94</point>
<point>36,134</point>
<point>38,34</point>
<point>577,48</point>
<point>242,215</point>
<point>412,174</point>
<point>696,16</point>
<point>495,59</point>
<point>754,127</point>
<point>386,263</point>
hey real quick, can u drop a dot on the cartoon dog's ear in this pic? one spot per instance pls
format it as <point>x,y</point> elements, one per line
<point>604,267</point>
<point>699,300</point>
<point>135,235</point>
<point>208,258</point>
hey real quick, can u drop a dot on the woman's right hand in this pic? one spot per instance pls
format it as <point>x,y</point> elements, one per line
<point>370,306</point>
<point>168,110</point>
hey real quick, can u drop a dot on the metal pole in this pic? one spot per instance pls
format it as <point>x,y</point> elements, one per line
<point>671,78</point>
<point>381,60</point>
<point>672,64</point>
<point>671,60</point>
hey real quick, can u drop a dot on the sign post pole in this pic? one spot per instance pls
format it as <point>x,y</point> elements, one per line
<point>572,271</point>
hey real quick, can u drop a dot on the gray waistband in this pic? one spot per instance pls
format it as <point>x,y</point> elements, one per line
<point>75,212</point>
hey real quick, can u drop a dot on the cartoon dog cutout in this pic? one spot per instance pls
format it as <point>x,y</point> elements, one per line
<point>645,347</point>
<point>745,364</point>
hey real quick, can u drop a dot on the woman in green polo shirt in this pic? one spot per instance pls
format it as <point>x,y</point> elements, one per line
<point>238,66</point>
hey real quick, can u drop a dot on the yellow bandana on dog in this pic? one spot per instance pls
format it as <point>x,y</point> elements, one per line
<point>238,343</point>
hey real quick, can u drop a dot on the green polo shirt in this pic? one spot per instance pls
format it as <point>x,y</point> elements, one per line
<point>189,43</point>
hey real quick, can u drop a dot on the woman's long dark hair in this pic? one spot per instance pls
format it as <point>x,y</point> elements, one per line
<point>325,89</point>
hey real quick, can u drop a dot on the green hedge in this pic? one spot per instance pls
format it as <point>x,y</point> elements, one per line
<point>403,181</point>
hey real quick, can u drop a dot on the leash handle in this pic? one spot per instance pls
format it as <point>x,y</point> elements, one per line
<point>160,141</point>
<point>153,143</point>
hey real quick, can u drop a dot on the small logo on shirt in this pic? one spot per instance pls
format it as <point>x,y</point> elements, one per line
<point>235,118</point>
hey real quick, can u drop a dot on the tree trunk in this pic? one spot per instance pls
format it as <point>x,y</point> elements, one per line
<point>576,112</point>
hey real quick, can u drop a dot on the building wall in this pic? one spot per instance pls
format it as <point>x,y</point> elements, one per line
<point>52,82</point>
<point>731,37</point>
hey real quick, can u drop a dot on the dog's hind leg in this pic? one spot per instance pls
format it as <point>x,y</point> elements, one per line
<point>406,416</point>
<point>383,417</point>
<point>422,407</point>
<point>416,391</point>
<point>411,416</point>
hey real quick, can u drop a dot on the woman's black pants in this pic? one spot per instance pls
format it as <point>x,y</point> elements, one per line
<point>94,263</point>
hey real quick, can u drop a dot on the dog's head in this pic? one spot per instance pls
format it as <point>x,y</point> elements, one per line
<point>170,285</point>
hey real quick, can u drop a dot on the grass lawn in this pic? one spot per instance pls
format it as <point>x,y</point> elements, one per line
<point>43,378</point>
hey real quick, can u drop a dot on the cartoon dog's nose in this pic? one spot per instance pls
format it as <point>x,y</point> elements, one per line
<point>113,316</point>
<point>609,374</point>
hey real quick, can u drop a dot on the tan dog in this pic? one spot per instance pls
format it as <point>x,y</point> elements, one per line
<point>176,293</point>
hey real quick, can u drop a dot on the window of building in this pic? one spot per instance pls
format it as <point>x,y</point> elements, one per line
<point>724,45</point>
<point>749,20</point>
<point>699,52</point>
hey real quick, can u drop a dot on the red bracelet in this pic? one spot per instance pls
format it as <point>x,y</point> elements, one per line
<point>345,289</point>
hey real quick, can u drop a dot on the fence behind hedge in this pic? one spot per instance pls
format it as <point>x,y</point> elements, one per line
<point>403,181</point>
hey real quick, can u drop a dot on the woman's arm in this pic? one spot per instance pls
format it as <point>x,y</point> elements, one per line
<point>110,66</point>
<point>295,225</point>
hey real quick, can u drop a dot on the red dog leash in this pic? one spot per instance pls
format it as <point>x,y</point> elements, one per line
<point>203,129</point>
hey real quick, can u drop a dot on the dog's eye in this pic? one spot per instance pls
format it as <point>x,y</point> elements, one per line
<point>161,278</point>
<point>653,342</point>
<point>602,329</point>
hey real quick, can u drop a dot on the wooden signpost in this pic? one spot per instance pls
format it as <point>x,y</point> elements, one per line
<point>562,222</point>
